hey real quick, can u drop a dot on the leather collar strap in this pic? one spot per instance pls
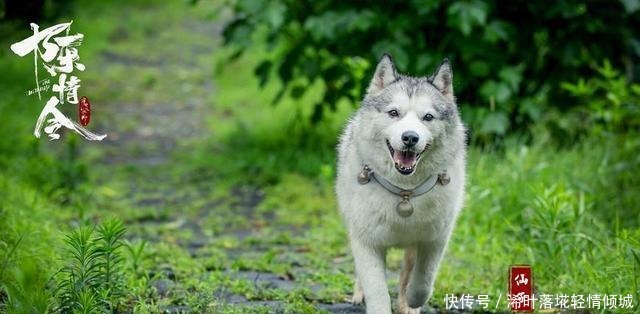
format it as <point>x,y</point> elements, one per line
<point>426,186</point>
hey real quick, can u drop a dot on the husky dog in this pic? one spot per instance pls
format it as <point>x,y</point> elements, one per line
<point>400,183</point>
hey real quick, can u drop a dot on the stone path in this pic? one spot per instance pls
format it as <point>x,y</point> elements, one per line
<point>161,105</point>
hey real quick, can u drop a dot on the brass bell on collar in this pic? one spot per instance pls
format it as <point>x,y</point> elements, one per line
<point>364,177</point>
<point>443,178</point>
<point>404,208</point>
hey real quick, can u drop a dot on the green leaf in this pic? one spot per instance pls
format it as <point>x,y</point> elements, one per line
<point>496,31</point>
<point>499,91</point>
<point>631,6</point>
<point>335,24</point>
<point>423,8</point>
<point>317,114</point>
<point>512,76</point>
<point>495,123</point>
<point>532,109</point>
<point>274,14</point>
<point>321,27</point>
<point>400,56</point>
<point>578,89</point>
<point>464,15</point>
<point>251,7</point>
<point>297,91</point>
<point>262,71</point>
<point>607,70</point>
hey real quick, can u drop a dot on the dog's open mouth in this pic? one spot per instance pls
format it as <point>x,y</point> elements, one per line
<point>405,160</point>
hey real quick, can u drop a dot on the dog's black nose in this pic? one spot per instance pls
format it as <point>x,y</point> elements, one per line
<point>410,138</point>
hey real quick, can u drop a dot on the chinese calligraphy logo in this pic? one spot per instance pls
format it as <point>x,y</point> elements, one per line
<point>60,57</point>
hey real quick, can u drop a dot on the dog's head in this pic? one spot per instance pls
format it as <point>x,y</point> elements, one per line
<point>407,116</point>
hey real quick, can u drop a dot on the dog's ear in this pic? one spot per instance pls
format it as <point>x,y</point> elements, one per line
<point>442,79</point>
<point>385,74</point>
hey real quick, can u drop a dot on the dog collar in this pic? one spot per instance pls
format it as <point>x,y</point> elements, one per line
<point>404,207</point>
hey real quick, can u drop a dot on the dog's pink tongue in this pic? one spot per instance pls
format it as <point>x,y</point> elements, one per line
<point>404,158</point>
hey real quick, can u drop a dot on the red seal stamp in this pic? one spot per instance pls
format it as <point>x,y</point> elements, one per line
<point>520,295</point>
<point>84,111</point>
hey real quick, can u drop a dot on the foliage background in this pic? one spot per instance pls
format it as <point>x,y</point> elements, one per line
<point>509,58</point>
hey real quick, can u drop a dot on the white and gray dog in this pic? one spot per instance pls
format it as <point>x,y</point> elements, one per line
<point>401,178</point>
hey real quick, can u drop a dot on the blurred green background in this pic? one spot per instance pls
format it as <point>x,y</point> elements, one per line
<point>213,192</point>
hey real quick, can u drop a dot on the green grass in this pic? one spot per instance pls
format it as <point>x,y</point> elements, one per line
<point>255,193</point>
<point>536,206</point>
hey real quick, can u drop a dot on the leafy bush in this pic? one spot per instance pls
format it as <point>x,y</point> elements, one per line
<point>92,282</point>
<point>608,102</point>
<point>509,57</point>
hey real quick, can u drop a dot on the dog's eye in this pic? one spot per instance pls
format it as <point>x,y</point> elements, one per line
<point>428,117</point>
<point>393,113</point>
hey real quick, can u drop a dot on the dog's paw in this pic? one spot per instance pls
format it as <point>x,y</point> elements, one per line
<point>418,296</point>
<point>409,310</point>
<point>358,294</point>
<point>403,308</point>
<point>358,297</point>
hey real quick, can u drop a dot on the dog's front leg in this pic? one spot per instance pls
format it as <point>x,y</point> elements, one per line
<point>370,263</point>
<point>428,257</point>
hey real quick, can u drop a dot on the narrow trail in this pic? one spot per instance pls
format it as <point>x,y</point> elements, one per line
<point>159,108</point>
